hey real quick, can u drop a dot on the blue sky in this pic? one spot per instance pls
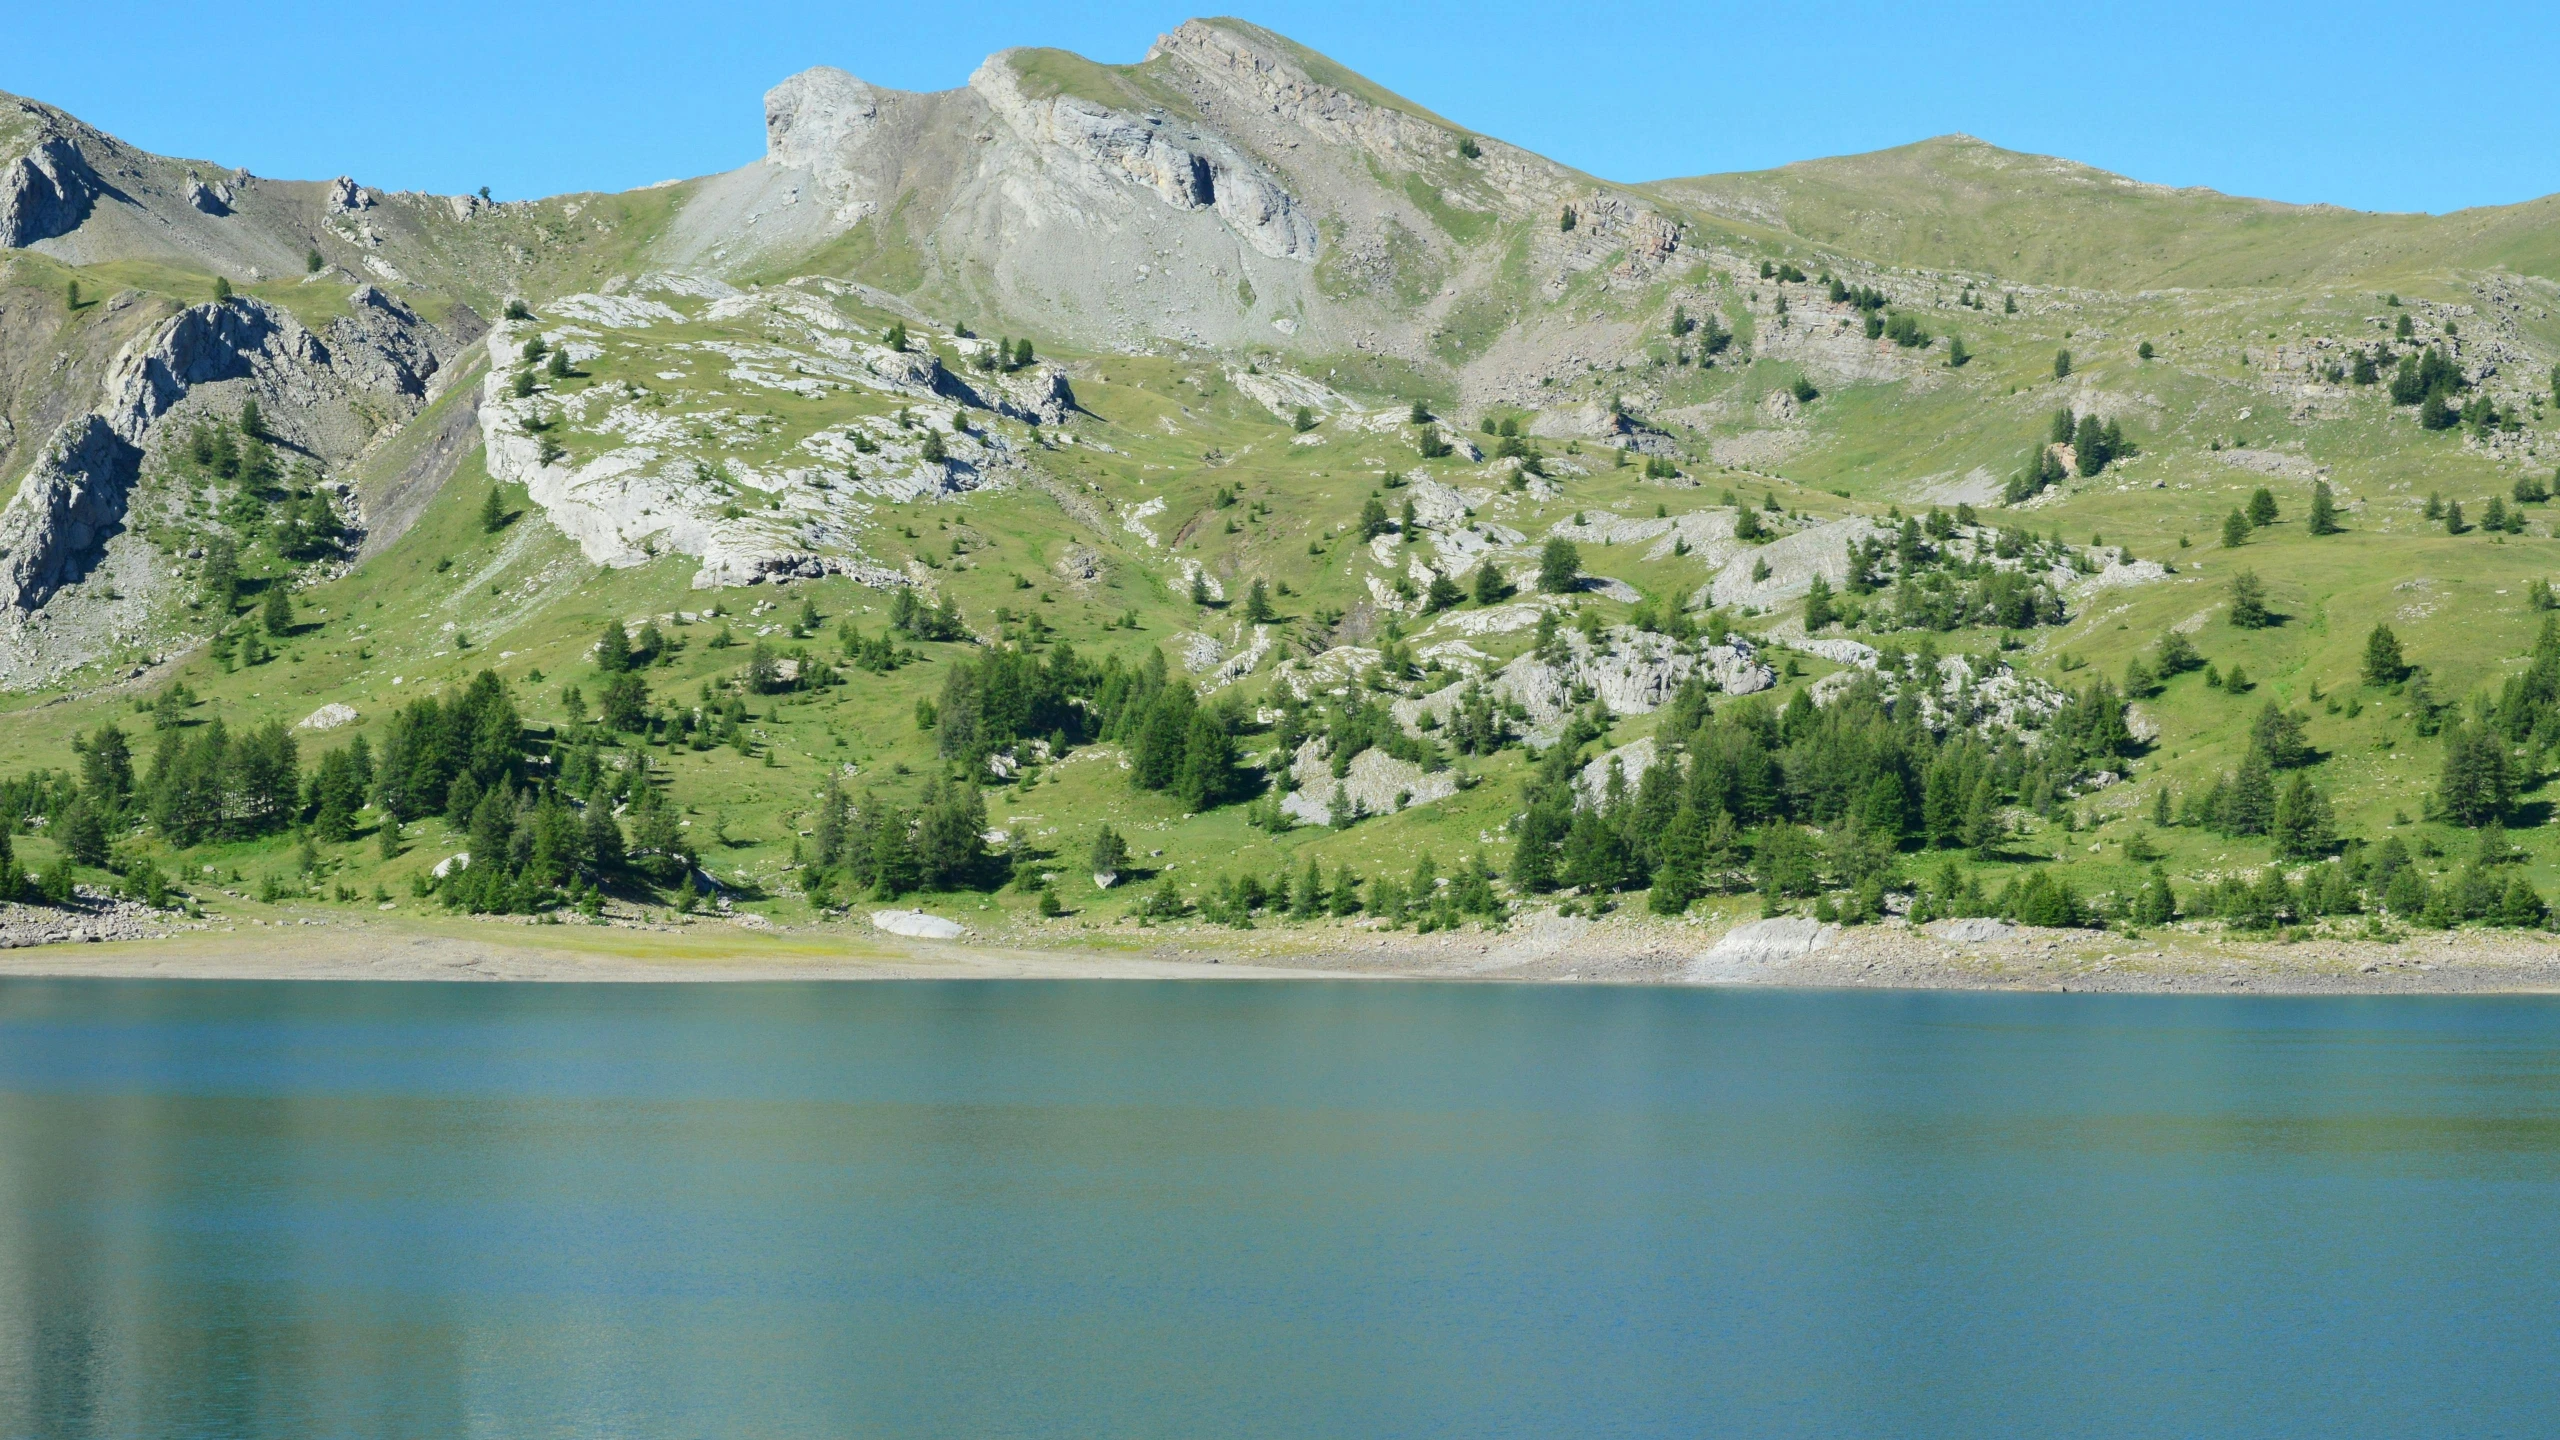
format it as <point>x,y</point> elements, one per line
<point>2353,104</point>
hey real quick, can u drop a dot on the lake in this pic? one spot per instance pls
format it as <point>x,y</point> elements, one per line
<point>1270,1209</point>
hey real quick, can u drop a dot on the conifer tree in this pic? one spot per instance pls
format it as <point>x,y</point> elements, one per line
<point>1559,566</point>
<point>2304,826</point>
<point>613,648</point>
<point>2249,602</point>
<point>2476,785</point>
<point>2324,509</point>
<point>1984,828</point>
<point>1818,609</point>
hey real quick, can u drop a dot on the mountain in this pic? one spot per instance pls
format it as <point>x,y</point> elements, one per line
<point>1223,458</point>
<point>1958,203</point>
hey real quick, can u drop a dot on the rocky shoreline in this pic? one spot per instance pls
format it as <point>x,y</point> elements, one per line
<point>104,937</point>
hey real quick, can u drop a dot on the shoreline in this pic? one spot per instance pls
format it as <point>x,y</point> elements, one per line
<point>1539,950</point>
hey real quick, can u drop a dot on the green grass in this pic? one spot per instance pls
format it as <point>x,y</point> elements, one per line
<point>2254,276</point>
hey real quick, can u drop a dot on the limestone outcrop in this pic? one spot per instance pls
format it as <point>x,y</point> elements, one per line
<point>73,499</point>
<point>47,188</point>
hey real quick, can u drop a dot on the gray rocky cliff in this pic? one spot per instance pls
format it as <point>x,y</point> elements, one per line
<point>46,190</point>
<point>73,498</point>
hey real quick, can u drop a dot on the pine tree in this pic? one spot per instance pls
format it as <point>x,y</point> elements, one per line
<point>2089,445</point>
<point>2476,785</point>
<point>2324,509</point>
<point>2249,802</point>
<point>1818,609</point>
<point>277,613</point>
<point>1257,604</point>
<point>2235,530</point>
<point>1984,828</point>
<point>2304,826</point>
<point>1373,519</point>
<point>2262,507</point>
<point>2158,904</point>
<point>2453,522</point>
<point>1110,853</point>
<point>2061,364</point>
<point>1489,587</point>
<point>2249,602</point>
<point>1559,567</point>
<point>613,648</point>
<point>1308,898</point>
<point>493,511</point>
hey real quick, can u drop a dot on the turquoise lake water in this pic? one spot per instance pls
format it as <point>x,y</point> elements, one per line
<point>1291,1209</point>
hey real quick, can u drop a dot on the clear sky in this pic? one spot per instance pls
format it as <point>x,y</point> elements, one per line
<point>2368,105</point>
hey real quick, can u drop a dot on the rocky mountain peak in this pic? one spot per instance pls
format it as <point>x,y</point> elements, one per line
<point>811,118</point>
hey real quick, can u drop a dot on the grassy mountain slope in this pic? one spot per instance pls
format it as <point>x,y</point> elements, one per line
<point>1186,456</point>
<point>1957,203</point>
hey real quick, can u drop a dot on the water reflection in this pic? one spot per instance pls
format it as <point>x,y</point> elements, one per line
<point>285,1210</point>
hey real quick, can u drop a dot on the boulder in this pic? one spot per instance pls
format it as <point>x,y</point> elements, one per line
<point>328,717</point>
<point>1978,930</point>
<point>917,925</point>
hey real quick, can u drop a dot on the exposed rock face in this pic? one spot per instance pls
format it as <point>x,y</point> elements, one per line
<point>657,488</point>
<point>816,117</point>
<point>46,190</point>
<point>1748,952</point>
<point>1195,198</point>
<point>1376,783</point>
<point>1630,761</point>
<point>1188,169</point>
<point>1998,698</point>
<point>1632,672</point>
<point>383,345</point>
<point>72,500</point>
